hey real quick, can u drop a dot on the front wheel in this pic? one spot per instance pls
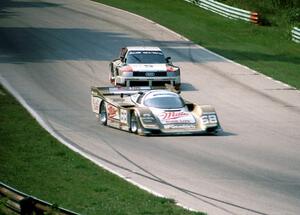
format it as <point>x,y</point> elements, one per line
<point>212,130</point>
<point>177,86</point>
<point>111,75</point>
<point>103,114</point>
<point>134,125</point>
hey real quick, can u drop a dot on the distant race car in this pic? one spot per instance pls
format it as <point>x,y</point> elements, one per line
<point>143,66</point>
<point>145,111</point>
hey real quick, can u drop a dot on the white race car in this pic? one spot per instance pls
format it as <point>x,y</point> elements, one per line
<point>146,111</point>
<point>143,66</point>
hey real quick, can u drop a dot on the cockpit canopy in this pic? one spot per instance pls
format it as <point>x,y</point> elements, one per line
<point>163,100</point>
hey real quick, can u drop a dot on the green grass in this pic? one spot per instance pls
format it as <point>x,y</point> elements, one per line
<point>34,162</point>
<point>268,50</point>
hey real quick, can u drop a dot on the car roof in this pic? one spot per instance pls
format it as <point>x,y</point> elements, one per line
<point>143,48</point>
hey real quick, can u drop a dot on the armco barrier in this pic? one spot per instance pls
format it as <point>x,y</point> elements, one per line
<point>296,34</point>
<point>226,10</point>
<point>15,202</point>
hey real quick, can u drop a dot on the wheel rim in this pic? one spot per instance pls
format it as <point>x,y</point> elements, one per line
<point>133,124</point>
<point>103,114</point>
<point>103,117</point>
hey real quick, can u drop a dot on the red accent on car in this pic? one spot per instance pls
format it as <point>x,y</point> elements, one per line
<point>173,115</point>
<point>171,69</point>
<point>112,111</point>
<point>126,69</point>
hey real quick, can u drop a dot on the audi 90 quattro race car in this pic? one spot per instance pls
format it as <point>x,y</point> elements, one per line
<point>147,111</point>
<point>143,66</point>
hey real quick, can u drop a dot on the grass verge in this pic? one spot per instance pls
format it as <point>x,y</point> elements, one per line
<point>268,50</point>
<point>34,162</point>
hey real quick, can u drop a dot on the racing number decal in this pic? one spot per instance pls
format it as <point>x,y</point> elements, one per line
<point>123,116</point>
<point>212,119</point>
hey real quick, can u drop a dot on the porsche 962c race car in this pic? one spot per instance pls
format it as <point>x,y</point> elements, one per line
<point>143,66</point>
<point>147,111</point>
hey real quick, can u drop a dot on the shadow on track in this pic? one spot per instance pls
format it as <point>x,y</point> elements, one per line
<point>6,5</point>
<point>30,44</point>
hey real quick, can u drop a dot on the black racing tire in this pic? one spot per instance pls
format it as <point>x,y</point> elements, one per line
<point>111,74</point>
<point>177,86</point>
<point>103,113</point>
<point>134,123</point>
<point>212,131</point>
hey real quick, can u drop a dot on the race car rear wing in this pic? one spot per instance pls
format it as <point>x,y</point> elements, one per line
<point>109,91</point>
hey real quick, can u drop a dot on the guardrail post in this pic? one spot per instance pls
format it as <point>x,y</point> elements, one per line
<point>226,10</point>
<point>16,202</point>
<point>27,206</point>
<point>296,34</point>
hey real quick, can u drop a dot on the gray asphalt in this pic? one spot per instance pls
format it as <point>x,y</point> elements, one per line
<point>51,52</point>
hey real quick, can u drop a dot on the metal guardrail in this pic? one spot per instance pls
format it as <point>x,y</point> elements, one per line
<point>226,10</point>
<point>15,202</point>
<point>296,34</point>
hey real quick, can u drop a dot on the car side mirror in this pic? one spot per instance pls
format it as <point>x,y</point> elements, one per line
<point>168,59</point>
<point>123,60</point>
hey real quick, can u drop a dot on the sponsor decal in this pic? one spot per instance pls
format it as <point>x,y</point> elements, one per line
<point>176,117</point>
<point>112,112</point>
<point>147,118</point>
<point>176,126</point>
<point>145,52</point>
<point>173,115</point>
<point>123,116</point>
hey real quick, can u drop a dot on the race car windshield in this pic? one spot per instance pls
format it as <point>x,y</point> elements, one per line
<point>164,102</point>
<point>143,57</point>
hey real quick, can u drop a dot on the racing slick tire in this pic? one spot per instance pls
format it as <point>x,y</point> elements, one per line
<point>212,131</point>
<point>103,114</point>
<point>111,75</point>
<point>134,123</point>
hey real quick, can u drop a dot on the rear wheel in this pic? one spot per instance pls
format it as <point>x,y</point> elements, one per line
<point>134,125</point>
<point>103,114</point>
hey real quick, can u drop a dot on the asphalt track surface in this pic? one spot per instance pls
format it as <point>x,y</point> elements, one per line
<point>51,52</point>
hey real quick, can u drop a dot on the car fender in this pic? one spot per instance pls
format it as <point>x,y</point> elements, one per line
<point>147,118</point>
<point>209,117</point>
<point>95,102</point>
